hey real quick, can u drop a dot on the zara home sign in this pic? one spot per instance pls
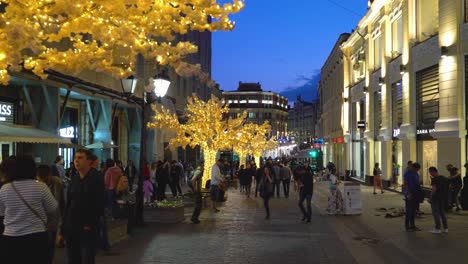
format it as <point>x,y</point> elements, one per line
<point>6,112</point>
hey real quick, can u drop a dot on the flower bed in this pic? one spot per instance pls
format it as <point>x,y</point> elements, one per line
<point>165,212</point>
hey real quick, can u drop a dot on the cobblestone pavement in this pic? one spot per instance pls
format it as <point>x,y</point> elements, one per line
<point>237,234</point>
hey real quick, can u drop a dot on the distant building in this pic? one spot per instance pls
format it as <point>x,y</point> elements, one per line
<point>260,106</point>
<point>302,118</point>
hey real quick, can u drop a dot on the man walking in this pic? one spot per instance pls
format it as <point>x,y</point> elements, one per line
<point>216,178</point>
<point>131,172</point>
<point>411,191</point>
<point>197,188</point>
<point>85,205</point>
<point>306,191</point>
<point>438,200</point>
<point>285,176</point>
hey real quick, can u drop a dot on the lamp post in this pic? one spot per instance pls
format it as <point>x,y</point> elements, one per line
<point>159,86</point>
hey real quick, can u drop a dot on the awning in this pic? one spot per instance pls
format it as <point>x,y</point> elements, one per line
<point>28,134</point>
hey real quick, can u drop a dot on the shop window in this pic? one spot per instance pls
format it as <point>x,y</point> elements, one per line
<point>251,115</point>
<point>427,97</point>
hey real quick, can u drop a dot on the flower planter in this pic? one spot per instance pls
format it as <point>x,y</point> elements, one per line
<point>167,215</point>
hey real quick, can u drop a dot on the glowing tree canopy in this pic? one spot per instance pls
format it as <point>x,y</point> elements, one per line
<point>104,35</point>
<point>253,141</point>
<point>206,126</point>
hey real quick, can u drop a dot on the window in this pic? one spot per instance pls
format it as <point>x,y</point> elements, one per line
<point>427,97</point>
<point>377,51</point>
<point>251,115</point>
<point>397,37</point>
<point>427,18</point>
<point>397,104</point>
<point>377,112</point>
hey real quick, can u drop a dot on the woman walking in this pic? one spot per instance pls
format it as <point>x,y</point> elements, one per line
<point>266,189</point>
<point>377,178</point>
<point>27,205</point>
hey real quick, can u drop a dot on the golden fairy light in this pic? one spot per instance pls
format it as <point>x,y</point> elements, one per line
<point>207,126</point>
<point>72,36</point>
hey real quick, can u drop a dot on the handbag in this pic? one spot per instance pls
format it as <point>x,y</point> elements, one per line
<point>44,222</point>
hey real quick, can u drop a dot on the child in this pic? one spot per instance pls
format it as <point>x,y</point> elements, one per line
<point>147,190</point>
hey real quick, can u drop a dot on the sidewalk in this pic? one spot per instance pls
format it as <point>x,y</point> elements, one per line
<point>372,237</point>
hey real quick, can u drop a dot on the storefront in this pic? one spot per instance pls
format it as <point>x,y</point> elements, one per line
<point>7,116</point>
<point>358,143</point>
<point>397,120</point>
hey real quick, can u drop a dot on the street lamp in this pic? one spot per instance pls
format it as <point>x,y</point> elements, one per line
<point>160,86</point>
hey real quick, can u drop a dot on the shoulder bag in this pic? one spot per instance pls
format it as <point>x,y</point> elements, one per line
<point>29,206</point>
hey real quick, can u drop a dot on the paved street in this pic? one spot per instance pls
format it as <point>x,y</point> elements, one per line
<point>239,234</point>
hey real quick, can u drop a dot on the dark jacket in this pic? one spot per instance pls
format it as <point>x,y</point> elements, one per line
<point>127,172</point>
<point>85,203</point>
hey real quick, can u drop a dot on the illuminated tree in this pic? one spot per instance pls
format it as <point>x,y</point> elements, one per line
<point>206,126</point>
<point>253,141</point>
<point>105,35</point>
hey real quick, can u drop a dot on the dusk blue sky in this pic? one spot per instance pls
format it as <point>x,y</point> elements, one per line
<point>282,44</point>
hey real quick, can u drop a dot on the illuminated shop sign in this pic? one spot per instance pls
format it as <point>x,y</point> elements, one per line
<point>7,111</point>
<point>425,131</point>
<point>396,132</point>
<point>67,132</point>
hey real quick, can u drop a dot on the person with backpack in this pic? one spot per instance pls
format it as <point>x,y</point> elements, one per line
<point>196,183</point>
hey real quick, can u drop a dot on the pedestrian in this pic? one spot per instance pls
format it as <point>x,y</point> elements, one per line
<point>276,179</point>
<point>84,207</point>
<point>241,175</point>
<point>58,169</point>
<point>112,178</point>
<point>266,189</point>
<point>464,191</point>
<point>306,190</point>
<point>174,179</point>
<point>455,187</point>
<point>197,180</point>
<point>412,192</point>
<point>27,206</point>
<point>216,179</point>
<point>130,172</point>
<point>258,177</point>
<point>249,173</point>
<point>377,178</point>
<point>147,190</point>
<point>285,177</point>
<point>335,198</point>
<point>102,229</point>
<point>56,188</point>
<point>438,200</point>
<point>162,178</point>
<point>154,168</point>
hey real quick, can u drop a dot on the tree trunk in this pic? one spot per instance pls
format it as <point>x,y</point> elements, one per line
<point>209,156</point>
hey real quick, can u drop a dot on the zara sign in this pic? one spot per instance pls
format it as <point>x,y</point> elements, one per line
<point>6,112</point>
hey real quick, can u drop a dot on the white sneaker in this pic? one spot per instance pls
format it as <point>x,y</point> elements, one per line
<point>446,230</point>
<point>435,231</point>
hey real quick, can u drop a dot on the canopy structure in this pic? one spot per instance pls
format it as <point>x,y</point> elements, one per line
<point>303,154</point>
<point>100,145</point>
<point>29,134</point>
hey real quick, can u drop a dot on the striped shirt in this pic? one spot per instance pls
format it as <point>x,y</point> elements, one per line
<point>19,220</point>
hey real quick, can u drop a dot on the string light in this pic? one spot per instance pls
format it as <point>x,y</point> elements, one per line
<point>72,36</point>
<point>206,126</point>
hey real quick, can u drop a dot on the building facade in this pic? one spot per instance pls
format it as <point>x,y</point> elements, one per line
<point>302,118</point>
<point>404,87</point>
<point>333,116</point>
<point>260,106</point>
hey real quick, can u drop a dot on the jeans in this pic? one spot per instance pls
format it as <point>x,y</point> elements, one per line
<point>174,187</point>
<point>438,211</point>
<point>103,235</point>
<point>112,202</point>
<point>81,247</point>
<point>198,206</point>
<point>286,184</point>
<point>130,183</point>
<point>308,197</point>
<point>276,186</point>
<point>32,248</point>
<point>161,190</point>
<point>410,212</point>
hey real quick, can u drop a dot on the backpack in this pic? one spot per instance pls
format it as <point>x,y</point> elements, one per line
<point>122,186</point>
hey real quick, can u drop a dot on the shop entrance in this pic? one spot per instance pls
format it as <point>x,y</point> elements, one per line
<point>6,149</point>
